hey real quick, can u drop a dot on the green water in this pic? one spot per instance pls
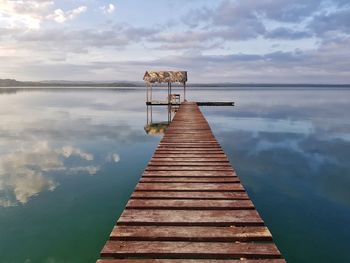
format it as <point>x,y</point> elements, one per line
<point>70,159</point>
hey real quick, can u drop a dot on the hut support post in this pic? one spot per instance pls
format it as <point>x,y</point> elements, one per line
<point>147,93</point>
<point>184,91</point>
<point>151,93</point>
<point>170,92</point>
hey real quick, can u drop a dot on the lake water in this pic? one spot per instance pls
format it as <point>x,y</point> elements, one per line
<point>70,159</point>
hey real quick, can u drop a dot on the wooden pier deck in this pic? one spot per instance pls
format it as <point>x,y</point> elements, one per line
<point>199,103</point>
<point>189,205</point>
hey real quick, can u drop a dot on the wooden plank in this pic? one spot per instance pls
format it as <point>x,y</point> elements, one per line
<point>194,143</point>
<point>198,149</point>
<point>190,261</point>
<point>182,159</point>
<point>189,187</point>
<point>188,152</point>
<point>184,140</point>
<point>187,163</point>
<point>189,204</point>
<point>196,234</point>
<point>215,250</point>
<point>190,155</point>
<point>190,173</point>
<point>190,217</point>
<point>176,153</point>
<point>188,168</point>
<point>177,179</point>
<point>189,145</point>
<point>190,195</point>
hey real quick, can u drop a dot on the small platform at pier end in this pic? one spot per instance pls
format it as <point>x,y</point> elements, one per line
<point>173,99</point>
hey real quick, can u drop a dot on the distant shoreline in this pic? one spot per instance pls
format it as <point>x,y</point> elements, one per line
<point>11,83</point>
<point>14,90</point>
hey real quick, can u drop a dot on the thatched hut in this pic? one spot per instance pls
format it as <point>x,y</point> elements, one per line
<point>165,76</point>
<point>168,77</point>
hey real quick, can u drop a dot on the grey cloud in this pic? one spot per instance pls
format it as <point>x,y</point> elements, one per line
<point>287,33</point>
<point>229,20</point>
<point>191,39</point>
<point>242,20</point>
<point>298,66</point>
<point>31,7</point>
<point>334,21</point>
<point>283,10</point>
<point>80,40</point>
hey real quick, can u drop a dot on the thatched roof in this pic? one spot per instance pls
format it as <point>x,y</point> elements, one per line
<point>165,76</point>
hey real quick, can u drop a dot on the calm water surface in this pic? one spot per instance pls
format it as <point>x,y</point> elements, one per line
<point>70,159</point>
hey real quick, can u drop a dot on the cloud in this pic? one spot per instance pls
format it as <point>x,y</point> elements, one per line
<point>61,16</point>
<point>242,20</point>
<point>31,14</point>
<point>229,12</point>
<point>328,22</point>
<point>24,172</point>
<point>28,14</point>
<point>329,63</point>
<point>287,34</point>
<point>108,9</point>
<point>81,40</point>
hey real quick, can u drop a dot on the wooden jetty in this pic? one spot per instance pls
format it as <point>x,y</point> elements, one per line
<point>189,205</point>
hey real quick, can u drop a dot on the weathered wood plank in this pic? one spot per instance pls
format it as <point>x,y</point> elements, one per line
<point>207,147</point>
<point>177,179</point>
<point>189,204</point>
<point>185,144</point>
<point>189,249</point>
<point>184,140</point>
<point>186,152</point>
<point>190,173</point>
<point>188,159</point>
<point>197,234</point>
<point>190,217</point>
<point>191,195</point>
<point>185,163</point>
<point>192,149</point>
<point>190,261</point>
<point>188,168</point>
<point>189,187</point>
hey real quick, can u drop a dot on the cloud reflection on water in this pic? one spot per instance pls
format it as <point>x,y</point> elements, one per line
<point>42,135</point>
<point>26,171</point>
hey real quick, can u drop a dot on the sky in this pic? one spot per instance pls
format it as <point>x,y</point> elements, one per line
<point>246,41</point>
